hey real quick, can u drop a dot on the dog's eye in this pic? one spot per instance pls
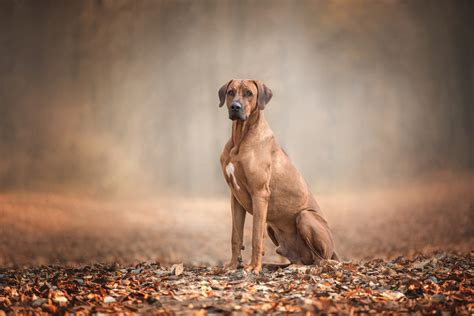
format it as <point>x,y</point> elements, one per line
<point>248,93</point>
<point>231,93</point>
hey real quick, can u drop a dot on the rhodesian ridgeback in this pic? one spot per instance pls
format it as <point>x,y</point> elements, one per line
<point>265,183</point>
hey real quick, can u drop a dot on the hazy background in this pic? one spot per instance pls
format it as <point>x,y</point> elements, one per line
<point>106,94</point>
<point>119,98</point>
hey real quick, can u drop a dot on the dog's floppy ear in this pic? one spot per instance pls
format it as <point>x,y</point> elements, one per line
<point>222,93</point>
<point>264,94</point>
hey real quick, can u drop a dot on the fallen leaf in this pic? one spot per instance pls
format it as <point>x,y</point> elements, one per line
<point>177,269</point>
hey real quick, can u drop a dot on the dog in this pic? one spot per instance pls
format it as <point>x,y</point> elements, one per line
<point>265,183</point>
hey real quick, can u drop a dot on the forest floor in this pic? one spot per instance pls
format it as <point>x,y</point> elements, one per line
<point>438,284</point>
<point>406,249</point>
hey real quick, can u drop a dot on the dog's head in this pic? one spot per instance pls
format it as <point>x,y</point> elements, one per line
<point>242,97</point>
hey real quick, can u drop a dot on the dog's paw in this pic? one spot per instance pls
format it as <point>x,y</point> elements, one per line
<point>256,270</point>
<point>233,265</point>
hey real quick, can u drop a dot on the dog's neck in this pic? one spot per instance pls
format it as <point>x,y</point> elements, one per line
<point>240,129</point>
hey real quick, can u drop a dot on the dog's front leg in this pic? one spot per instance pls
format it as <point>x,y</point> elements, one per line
<point>238,220</point>
<point>259,206</point>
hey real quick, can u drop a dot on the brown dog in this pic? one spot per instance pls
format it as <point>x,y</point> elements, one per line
<point>265,183</point>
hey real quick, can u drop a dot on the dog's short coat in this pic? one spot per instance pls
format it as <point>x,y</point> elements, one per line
<point>264,182</point>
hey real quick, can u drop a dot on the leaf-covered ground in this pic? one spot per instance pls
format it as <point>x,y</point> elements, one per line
<point>436,284</point>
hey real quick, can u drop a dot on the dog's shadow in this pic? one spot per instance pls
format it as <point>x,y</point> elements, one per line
<point>272,267</point>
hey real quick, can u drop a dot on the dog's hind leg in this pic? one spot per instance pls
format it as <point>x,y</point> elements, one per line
<point>271,234</point>
<point>314,231</point>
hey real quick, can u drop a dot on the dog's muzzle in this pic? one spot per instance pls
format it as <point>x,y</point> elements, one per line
<point>236,112</point>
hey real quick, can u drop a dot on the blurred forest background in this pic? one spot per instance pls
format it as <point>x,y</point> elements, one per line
<point>117,100</point>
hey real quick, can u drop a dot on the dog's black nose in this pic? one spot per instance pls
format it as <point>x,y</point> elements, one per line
<point>235,106</point>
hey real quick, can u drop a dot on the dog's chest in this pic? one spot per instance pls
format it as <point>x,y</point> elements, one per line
<point>233,173</point>
<point>234,176</point>
<point>230,176</point>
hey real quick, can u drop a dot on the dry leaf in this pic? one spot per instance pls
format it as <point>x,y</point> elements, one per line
<point>177,269</point>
